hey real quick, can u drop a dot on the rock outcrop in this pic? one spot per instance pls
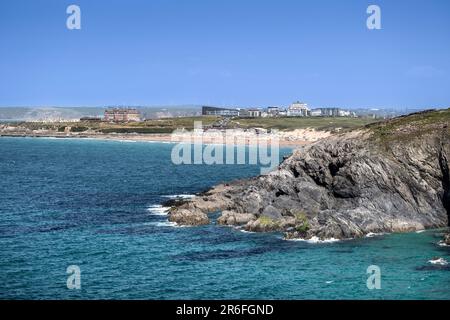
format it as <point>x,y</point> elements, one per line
<point>446,240</point>
<point>388,177</point>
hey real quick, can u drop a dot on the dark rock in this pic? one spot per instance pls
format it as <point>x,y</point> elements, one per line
<point>389,177</point>
<point>272,213</point>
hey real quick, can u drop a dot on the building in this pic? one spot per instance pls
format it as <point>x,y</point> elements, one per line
<point>254,113</point>
<point>346,113</point>
<point>273,111</point>
<point>243,113</point>
<point>298,109</point>
<point>223,112</point>
<point>331,112</point>
<point>325,112</point>
<point>316,113</point>
<point>122,115</point>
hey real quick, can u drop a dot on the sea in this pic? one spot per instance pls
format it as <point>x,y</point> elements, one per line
<point>96,207</point>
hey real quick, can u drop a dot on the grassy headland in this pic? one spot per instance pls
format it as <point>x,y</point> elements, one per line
<point>410,126</point>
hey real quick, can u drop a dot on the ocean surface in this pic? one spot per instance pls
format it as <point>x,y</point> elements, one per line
<point>97,205</point>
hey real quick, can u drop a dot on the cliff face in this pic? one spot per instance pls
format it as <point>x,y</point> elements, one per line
<point>387,177</point>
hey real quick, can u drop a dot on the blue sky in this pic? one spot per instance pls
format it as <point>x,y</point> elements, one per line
<point>225,52</point>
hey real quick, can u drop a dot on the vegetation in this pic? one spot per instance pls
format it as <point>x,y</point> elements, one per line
<point>168,125</point>
<point>292,123</point>
<point>140,130</point>
<point>79,129</point>
<point>301,222</point>
<point>403,127</point>
<point>268,223</point>
<point>408,127</point>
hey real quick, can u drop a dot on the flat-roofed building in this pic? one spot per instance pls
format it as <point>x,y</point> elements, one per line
<point>331,112</point>
<point>122,115</point>
<point>254,113</point>
<point>216,111</point>
<point>316,113</point>
<point>273,111</point>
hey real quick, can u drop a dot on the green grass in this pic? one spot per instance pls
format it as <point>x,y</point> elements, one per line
<point>406,128</point>
<point>266,221</point>
<point>139,130</point>
<point>168,125</point>
<point>301,222</point>
<point>78,129</point>
<point>292,123</point>
<point>165,125</point>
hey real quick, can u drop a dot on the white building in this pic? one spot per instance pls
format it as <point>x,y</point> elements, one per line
<point>316,112</point>
<point>298,109</point>
<point>344,113</point>
<point>254,113</point>
<point>273,111</point>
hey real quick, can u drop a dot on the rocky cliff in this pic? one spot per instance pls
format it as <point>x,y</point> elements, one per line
<point>387,177</point>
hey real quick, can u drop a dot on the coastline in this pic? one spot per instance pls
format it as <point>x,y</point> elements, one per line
<point>157,137</point>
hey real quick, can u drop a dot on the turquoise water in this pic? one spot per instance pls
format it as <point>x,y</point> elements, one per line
<point>95,204</point>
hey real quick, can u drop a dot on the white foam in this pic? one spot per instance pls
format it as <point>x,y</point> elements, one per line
<point>315,240</point>
<point>420,231</point>
<point>182,196</point>
<point>440,261</point>
<point>373,234</point>
<point>318,240</point>
<point>165,224</point>
<point>158,210</point>
<point>328,282</point>
<point>244,231</point>
<point>442,244</point>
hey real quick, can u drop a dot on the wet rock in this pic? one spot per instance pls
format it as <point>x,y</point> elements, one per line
<point>189,217</point>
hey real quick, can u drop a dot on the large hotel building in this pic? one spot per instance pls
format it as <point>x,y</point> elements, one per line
<point>122,115</point>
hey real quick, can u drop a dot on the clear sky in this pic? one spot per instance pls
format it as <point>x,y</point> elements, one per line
<point>225,52</point>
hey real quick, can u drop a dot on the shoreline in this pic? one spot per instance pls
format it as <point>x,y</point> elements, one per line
<point>167,138</point>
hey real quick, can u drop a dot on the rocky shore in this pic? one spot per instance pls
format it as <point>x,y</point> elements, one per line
<point>387,177</point>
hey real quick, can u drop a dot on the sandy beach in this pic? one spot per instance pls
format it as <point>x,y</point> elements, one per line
<point>294,138</point>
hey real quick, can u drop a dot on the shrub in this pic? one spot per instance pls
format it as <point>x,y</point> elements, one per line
<point>301,222</point>
<point>79,129</point>
<point>266,221</point>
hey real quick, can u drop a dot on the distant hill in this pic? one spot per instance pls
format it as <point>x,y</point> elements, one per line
<point>72,113</point>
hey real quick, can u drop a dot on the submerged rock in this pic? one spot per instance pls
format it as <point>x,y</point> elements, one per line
<point>388,177</point>
<point>446,240</point>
